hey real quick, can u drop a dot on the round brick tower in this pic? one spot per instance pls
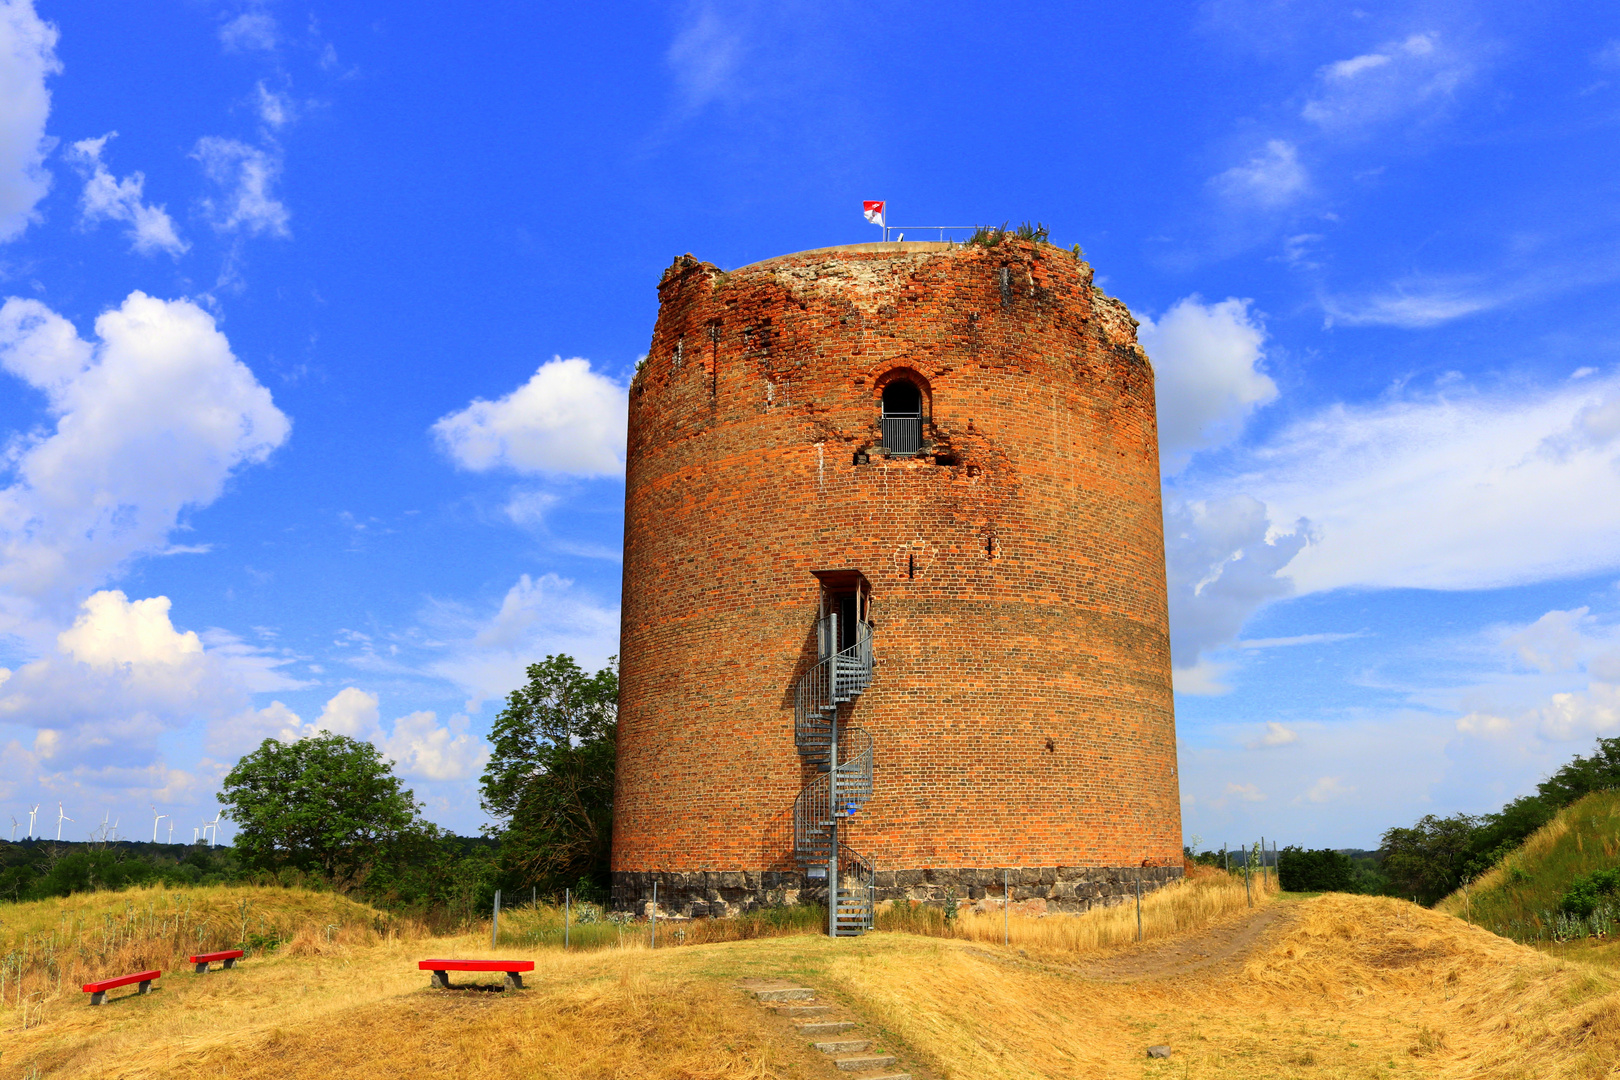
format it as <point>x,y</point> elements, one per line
<point>893,570</point>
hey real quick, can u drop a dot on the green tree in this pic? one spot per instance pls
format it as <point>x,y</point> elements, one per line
<point>328,805</point>
<point>1427,861</point>
<point>549,781</point>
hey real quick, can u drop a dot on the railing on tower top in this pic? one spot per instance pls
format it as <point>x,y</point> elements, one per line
<point>944,232</point>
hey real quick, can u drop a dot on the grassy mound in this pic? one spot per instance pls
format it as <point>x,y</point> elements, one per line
<point>48,948</point>
<point>1522,897</point>
<point>1342,986</point>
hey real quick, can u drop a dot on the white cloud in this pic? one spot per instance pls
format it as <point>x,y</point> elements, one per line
<point>565,419</point>
<point>1396,80</point>
<point>1276,735</point>
<point>150,421</point>
<point>107,198</point>
<point>245,175</point>
<point>1573,715</point>
<point>112,630</point>
<point>1446,491</point>
<point>275,110</point>
<point>1224,561</point>
<point>1553,642</point>
<point>1413,304</point>
<point>706,53</point>
<point>529,508</point>
<point>419,746</point>
<point>1327,789</point>
<point>27,57</point>
<point>1484,724</point>
<point>117,679</point>
<point>1207,359</point>
<point>249,31</point>
<point>1271,179</point>
<point>488,657</point>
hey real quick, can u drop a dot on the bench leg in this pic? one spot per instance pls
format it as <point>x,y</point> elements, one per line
<point>98,997</point>
<point>146,986</point>
<point>440,980</point>
<point>201,968</point>
<point>230,962</point>
<point>514,980</point>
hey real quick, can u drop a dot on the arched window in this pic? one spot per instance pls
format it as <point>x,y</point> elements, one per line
<point>902,418</point>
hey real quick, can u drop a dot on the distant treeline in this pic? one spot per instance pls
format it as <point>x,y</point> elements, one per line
<point>1436,855</point>
<point>328,812</point>
<point>39,869</point>
<point>1433,857</point>
<point>446,871</point>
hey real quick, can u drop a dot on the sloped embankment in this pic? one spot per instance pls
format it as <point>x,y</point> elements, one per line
<point>1520,897</point>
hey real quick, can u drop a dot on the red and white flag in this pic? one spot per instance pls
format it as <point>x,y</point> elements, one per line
<point>873,209</point>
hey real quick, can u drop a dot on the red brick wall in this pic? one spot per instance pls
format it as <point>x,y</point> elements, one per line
<point>1021,706</point>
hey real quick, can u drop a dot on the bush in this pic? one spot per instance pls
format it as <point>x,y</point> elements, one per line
<point>1589,890</point>
<point>1325,870</point>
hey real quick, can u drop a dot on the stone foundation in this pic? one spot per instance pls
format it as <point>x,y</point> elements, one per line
<point>1035,890</point>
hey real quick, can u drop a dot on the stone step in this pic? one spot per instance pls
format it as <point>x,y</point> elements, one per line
<point>788,993</point>
<point>844,1046</point>
<point>803,1010</point>
<point>825,1027</point>
<point>864,1062</point>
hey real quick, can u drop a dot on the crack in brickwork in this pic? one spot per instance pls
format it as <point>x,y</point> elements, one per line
<point>1021,703</point>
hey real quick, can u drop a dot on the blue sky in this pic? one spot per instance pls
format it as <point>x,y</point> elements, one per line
<point>317,322</point>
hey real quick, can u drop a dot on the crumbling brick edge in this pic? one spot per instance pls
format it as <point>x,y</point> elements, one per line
<point>1035,890</point>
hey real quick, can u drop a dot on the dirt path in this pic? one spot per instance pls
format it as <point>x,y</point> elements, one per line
<point>1221,948</point>
<point>1215,951</point>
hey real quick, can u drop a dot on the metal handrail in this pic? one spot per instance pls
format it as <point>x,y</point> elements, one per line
<point>857,885</point>
<point>812,820</point>
<point>854,769</point>
<point>839,677</point>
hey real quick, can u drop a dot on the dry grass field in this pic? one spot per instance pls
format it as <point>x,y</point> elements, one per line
<point>1331,987</point>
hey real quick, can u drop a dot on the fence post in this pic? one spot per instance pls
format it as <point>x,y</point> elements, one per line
<point>653,921</point>
<point>1006,908</point>
<point>1248,892</point>
<point>568,907</point>
<point>495,921</point>
<point>1138,907</point>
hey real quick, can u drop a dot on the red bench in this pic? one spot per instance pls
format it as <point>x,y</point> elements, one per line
<point>98,990</point>
<point>229,958</point>
<point>442,968</point>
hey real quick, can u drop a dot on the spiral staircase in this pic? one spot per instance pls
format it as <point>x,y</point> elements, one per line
<point>841,754</point>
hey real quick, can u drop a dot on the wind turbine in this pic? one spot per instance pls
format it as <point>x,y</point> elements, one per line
<point>171,830</point>
<point>195,832</point>
<point>31,814</point>
<point>61,816</point>
<point>14,824</point>
<point>155,820</point>
<point>215,826</point>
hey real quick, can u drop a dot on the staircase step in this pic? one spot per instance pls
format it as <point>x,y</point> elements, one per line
<point>787,993</point>
<point>803,1010</point>
<point>825,1027</point>
<point>844,1046</point>
<point>864,1062</point>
